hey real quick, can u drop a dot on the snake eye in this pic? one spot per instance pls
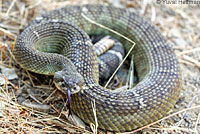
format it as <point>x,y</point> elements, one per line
<point>75,89</point>
<point>60,84</point>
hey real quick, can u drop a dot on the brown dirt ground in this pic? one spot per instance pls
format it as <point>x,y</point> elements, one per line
<point>178,22</point>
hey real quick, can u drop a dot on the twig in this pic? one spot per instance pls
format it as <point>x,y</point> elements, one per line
<point>195,128</point>
<point>30,78</point>
<point>45,100</point>
<point>185,62</point>
<point>6,79</point>
<point>8,33</point>
<point>119,66</point>
<point>144,7</point>
<point>35,4</point>
<point>12,4</point>
<point>189,51</point>
<point>104,27</point>
<point>189,105</point>
<point>94,126</point>
<point>131,74</point>
<point>189,59</point>
<point>11,53</point>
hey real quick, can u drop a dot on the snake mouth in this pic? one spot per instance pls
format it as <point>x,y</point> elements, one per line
<point>68,91</point>
<point>73,90</point>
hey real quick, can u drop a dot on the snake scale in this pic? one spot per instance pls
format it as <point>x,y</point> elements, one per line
<point>119,111</point>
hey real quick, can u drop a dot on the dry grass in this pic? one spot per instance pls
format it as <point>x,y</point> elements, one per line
<point>178,22</point>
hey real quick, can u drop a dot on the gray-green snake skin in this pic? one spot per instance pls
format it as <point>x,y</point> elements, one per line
<point>156,64</point>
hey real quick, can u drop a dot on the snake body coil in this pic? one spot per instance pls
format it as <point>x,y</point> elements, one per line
<point>119,111</point>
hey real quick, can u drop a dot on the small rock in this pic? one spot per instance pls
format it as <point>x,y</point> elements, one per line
<point>180,42</point>
<point>9,74</point>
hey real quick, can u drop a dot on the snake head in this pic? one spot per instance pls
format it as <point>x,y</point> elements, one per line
<point>69,80</point>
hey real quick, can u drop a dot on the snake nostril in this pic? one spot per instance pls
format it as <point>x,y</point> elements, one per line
<point>70,83</point>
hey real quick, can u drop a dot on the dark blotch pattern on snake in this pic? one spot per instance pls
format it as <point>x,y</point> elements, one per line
<point>155,62</point>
